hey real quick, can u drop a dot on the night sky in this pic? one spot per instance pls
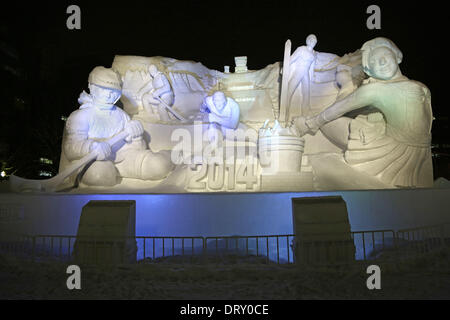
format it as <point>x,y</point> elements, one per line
<point>45,65</point>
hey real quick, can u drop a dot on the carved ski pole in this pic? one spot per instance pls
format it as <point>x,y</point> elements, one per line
<point>171,110</point>
<point>284,104</point>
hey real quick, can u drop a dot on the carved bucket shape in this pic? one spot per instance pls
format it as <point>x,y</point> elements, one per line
<point>280,154</point>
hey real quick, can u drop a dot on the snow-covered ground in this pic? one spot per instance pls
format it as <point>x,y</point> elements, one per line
<point>224,278</point>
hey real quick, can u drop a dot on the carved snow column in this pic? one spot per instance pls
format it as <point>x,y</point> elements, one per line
<point>106,233</point>
<point>322,231</point>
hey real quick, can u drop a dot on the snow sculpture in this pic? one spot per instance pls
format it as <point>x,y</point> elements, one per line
<point>221,110</point>
<point>301,61</point>
<point>394,145</point>
<point>159,98</point>
<point>279,150</point>
<point>311,79</point>
<point>153,93</point>
<point>241,64</point>
<point>222,114</point>
<point>358,123</point>
<point>189,83</point>
<point>99,119</point>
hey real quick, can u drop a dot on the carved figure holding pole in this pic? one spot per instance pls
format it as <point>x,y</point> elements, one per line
<point>97,120</point>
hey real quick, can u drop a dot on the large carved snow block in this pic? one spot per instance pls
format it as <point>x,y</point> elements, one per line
<point>106,233</point>
<point>322,231</point>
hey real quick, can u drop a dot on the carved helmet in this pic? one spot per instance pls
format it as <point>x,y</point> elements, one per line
<point>105,78</point>
<point>376,43</point>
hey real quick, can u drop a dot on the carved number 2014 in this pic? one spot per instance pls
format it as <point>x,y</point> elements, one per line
<point>216,177</point>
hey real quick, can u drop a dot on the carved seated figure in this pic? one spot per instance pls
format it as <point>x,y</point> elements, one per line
<point>393,145</point>
<point>221,110</point>
<point>97,120</point>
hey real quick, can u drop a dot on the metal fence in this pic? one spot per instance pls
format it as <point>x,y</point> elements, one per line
<point>369,245</point>
<point>423,240</point>
<point>162,247</point>
<point>63,247</point>
<point>277,248</point>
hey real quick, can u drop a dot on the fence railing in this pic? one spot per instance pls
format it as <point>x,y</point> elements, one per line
<point>437,232</point>
<point>168,246</point>
<point>368,245</point>
<point>276,248</point>
<point>423,240</point>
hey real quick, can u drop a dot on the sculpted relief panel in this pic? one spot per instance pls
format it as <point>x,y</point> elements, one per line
<point>316,121</point>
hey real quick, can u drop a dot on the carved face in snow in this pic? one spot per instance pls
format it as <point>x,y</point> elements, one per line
<point>383,63</point>
<point>219,100</point>
<point>311,41</point>
<point>104,96</point>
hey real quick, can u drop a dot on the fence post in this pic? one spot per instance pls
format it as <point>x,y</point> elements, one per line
<point>395,236</point>
<point>33,249</point>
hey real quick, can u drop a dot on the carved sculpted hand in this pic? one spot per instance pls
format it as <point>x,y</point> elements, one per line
<point>304,125</point>
<point>150,99</point>
<point>204,107</point>
<point>102,149</point>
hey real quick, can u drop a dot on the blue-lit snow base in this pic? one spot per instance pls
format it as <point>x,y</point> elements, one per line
<point>225,215</point>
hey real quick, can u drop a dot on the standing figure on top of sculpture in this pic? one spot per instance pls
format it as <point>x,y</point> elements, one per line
<point>159,96</point>
<point>394,145</point>
<point>300,64</point>
<point>99,119</point>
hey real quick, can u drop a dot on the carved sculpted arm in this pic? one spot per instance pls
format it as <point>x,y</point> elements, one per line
<point>365,95</point>
<point>161,84</point>
<point>204,106</point>
<point>77,143</point>
<point>297,54</point>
